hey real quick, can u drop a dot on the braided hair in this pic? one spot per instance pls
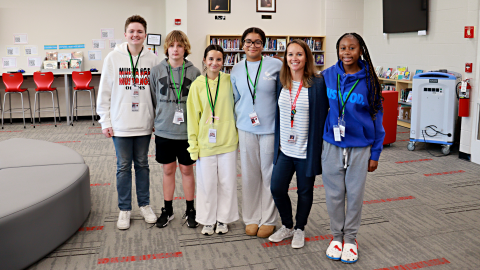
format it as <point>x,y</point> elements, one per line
<point>374,90</point>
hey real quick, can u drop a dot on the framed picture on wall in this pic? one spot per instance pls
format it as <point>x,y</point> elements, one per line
<point>219,6</point>
<point>267,6</point>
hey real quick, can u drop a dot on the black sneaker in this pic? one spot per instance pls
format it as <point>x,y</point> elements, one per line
<point>190,218</point>
<point>164,218</point>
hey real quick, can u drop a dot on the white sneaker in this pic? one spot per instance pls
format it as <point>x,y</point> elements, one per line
<point>298,239</point>
<point>350,253</point>
<point>222,228</point>
<point>208,229</point>
<point>147,212</point>
<point>334,250</point>
<point>281,234</point>
<point>123,222</point>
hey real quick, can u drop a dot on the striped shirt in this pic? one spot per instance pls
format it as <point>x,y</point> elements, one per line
<point>300,124</point>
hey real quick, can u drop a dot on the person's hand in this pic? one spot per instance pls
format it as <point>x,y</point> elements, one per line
<point>217,7</point>
<point>108,132</point>
<point>372,165</point>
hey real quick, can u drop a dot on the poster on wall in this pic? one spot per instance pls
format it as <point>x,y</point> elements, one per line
<point>20,39</point>
<point>9,62</point>
<point>95,55</point>
<point>219,6</point>
<point>107,33</point>
<point>30,50</point>
<point>13,51</point>
<point>267,6</point>
<point>114,42</point>
<point>34,61</point>
<point>98,44</point>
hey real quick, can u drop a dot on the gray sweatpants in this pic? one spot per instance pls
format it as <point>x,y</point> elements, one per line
<point>256,156</point>
<point>344,184</point>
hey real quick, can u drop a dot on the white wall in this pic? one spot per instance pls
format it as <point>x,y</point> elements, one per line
<point>300,17</point>
<point>55,22</point>
<point>444,46</point>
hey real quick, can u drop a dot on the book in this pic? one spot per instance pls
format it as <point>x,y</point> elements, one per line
<point>52,56</point>
<point>63,64</point>
<point>378,70</point>
<point>50,64</point>
<point>75,63</point>
<point>281,43</point>
<point>407,75</point>
<point>77,55</point>
<point>64,56</point>
<point>319,59</point>
<point>388,73</point>
<point>318,45</point>
<point>418,71</point>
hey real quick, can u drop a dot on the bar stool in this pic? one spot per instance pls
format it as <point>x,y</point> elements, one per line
<point>13,82</point>
<point>44,80</point>
<point>82,81</point>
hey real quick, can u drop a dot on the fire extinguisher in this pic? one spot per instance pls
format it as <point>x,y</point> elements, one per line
<point>464,99</point>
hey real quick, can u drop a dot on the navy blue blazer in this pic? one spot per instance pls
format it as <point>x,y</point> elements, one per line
<point>318,110</point>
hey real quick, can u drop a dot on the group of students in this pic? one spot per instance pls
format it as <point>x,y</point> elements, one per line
<point>283,116</point>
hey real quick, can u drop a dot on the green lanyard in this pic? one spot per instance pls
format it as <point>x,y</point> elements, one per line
<point>342,111</point>
<point>179,92</point>
<point>210,98</point>
<point>134,68</point>
<point>254,93</point>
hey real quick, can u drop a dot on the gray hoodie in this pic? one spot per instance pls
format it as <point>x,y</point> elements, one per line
<point>164,98</point>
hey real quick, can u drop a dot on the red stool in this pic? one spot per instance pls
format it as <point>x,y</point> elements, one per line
<point>82,81</point>
<point>13,82</point>
<point>44,80</point>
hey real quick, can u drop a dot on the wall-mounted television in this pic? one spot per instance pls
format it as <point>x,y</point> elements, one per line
<point>405,16</point>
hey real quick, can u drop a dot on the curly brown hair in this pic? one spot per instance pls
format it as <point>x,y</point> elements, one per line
<point>138,19</point>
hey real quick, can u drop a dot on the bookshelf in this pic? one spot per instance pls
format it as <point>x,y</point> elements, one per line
<point>399,84</point>
<point>234,54</point>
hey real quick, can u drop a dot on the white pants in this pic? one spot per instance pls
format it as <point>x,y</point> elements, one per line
<point>217,189</point>
<point>256,154</point>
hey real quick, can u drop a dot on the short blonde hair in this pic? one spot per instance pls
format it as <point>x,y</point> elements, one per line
<point>180,37</point>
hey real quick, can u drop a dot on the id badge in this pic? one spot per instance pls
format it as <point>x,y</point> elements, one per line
<point>336,133</point>
<point>254,119</point>
<point>341,125</point>
<point>178,117</point>
<point>292,137</point>
<point>212,135</point>
<point>135,106</point>
<point>135,94</point>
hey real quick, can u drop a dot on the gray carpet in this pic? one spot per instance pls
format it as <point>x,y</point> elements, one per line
<point>418,208</point>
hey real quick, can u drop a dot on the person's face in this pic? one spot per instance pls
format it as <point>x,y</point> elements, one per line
<point>349,51</point>
<point>135,34</point>
<point>214,61</point>
<point>253,51</point>
<point>296,57</point>
<point>176,51</point>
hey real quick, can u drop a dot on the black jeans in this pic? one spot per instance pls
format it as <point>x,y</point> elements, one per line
<point>281,177</point>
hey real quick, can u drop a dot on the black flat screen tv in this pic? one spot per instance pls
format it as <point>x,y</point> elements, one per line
<point>405,16</point>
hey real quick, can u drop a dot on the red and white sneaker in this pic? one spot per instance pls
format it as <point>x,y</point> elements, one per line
<point>350,253</point>
<point>334,250</point>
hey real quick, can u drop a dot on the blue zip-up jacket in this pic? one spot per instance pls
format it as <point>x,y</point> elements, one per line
<point>317,113</point>
<point>360,129</point>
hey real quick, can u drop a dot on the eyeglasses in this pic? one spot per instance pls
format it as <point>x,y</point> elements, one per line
<point>247,42</point>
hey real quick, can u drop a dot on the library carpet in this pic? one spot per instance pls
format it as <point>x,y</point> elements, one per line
<point>420,211</point>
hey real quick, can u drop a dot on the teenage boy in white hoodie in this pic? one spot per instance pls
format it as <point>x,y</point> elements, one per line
<point>125,107</point>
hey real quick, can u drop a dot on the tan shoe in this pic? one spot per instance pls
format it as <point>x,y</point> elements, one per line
<point>265,231</point>
<point>251,229</point>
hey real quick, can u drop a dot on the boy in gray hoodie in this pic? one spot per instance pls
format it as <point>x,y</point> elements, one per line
<point>169,84</point>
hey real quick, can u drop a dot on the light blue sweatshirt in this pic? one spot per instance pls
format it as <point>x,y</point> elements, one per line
<point>265,101</point>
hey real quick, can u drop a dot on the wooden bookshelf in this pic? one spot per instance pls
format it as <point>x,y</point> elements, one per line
<point>317,52</point>
<point>399,84</point>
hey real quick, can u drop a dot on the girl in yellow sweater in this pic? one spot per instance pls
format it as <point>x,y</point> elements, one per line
<point>213,139</point>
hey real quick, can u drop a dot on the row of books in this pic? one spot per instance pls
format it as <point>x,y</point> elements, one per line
<point>401,73</point>
<point>226,44</point>
<point>232,59</point>
<point>55,60</point>
<point>314,45</point>
<point>278,44</point>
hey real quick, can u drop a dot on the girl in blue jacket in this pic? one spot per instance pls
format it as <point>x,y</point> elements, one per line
<point>353,138</point>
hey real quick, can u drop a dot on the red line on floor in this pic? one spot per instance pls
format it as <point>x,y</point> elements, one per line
<point>443,173</point>
<point>181,198</point>
<point>315,186</point>
<point>97,185</point>
<point>403,140</point>
<point>11,130</point>
<point>417,265</point>
<point>389,200</point>
<point>289,241</point>
<point>93,133</point>
<point>94,228</point>
<point>140,257</point>
<point>67,141</point>
<point>409,161</point>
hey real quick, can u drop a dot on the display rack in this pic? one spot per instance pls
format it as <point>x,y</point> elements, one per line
<point>235,54</point>
<point>399,84</point>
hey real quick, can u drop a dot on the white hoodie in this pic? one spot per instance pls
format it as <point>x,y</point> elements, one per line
<point>114,102</point>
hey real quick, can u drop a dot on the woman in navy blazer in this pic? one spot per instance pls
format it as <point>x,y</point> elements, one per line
<point>302,154</point>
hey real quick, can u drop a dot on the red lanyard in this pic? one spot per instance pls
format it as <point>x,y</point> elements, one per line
<point>294,103</point>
